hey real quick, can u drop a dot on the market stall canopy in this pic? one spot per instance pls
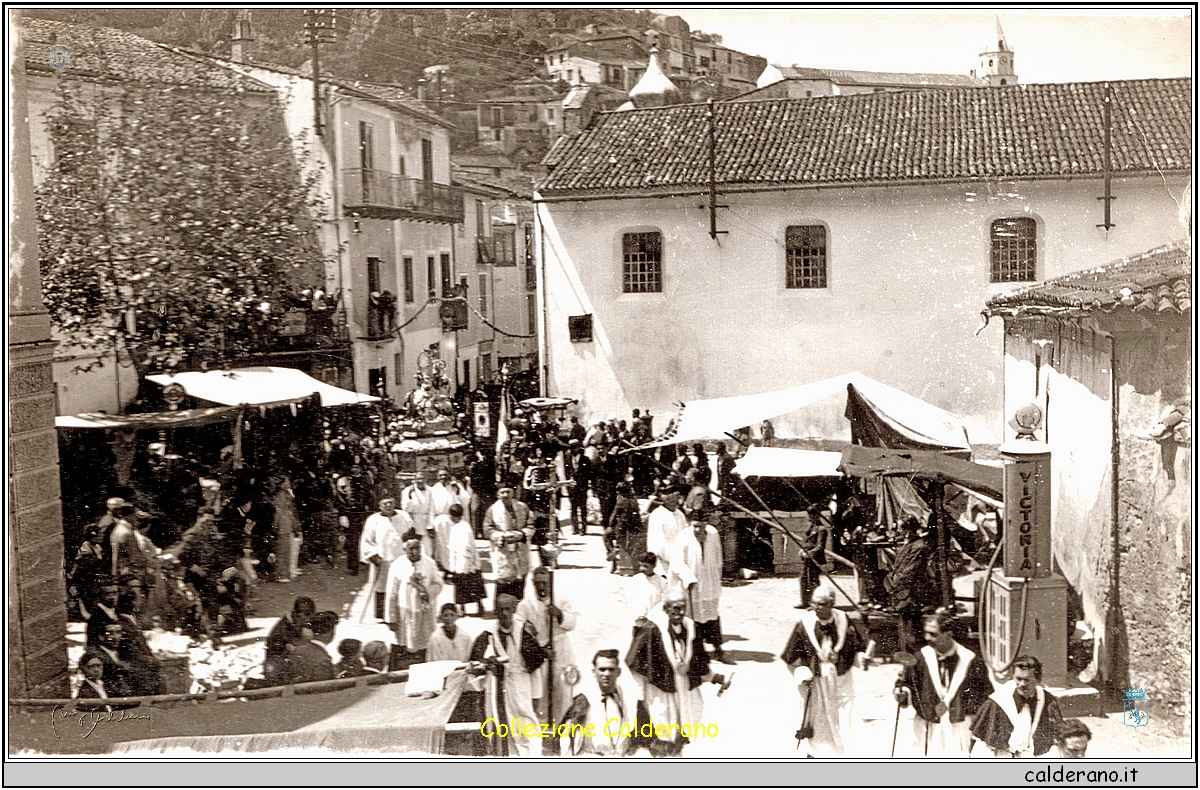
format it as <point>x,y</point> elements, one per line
<point>786,462</point>
<point>187,418</point>
<point>859,461</point>
<point>547,403</point>
<point>905,415</point>
<point>259,386</point>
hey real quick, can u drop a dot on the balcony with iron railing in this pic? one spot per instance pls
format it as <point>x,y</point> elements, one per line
<point>382,195</point>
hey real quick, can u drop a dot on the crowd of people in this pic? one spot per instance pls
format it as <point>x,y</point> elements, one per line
<point>664,513</point>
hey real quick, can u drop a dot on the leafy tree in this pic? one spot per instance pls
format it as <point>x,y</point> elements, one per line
<point>173,223</point>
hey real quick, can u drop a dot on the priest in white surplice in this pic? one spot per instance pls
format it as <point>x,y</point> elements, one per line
<point>413,586</point>
<point>417,501</point>
<point>380,545</point>
<point>696,570</point>
<point>662,527</point>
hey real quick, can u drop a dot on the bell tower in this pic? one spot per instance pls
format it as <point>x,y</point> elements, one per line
<point>996,61</point>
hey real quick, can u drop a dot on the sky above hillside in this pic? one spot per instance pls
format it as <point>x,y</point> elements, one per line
<point>1060,45</point>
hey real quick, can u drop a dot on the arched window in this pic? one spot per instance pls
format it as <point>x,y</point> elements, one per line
<point>1014,250</point>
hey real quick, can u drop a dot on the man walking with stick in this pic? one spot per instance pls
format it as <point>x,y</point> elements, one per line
<point>820,653</point>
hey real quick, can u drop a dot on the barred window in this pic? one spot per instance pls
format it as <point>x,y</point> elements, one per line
<point>642,254</point>
<point>806,256</point>
<point>1014,250</point>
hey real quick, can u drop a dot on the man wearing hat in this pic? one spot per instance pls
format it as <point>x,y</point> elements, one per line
<point>910,587</point>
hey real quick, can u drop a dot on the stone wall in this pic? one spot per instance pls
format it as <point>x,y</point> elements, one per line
<point>1153,361</point>
<point>37,630</point>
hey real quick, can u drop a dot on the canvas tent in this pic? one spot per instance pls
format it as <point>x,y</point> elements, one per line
<point>882,412</point>
<point>786,462</point>
<point>259,386</point>
<point>185,418</point>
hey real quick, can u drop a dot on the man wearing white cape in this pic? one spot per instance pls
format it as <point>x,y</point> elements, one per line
<point>820,653</point>
<point>946,685</point>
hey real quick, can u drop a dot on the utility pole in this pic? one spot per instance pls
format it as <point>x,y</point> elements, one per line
<point>320,27</point>
<point>1108,195</point>
<point>712,174</point>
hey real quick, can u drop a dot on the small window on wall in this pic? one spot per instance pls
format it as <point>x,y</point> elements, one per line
<point>483,295</point>
<point>806,256</point>
<point>398,371</point>
<point>409,289</point>
<point>431,275</point>
<point>531,303</point>
<point>641,262</point>
<point>1014,250</point>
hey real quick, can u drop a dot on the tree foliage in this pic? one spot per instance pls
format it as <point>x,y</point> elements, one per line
<point>487,49</point>
<point>173,223</point>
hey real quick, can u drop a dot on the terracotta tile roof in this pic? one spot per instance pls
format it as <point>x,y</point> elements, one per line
<point>1158,281</point>
<point>844,77</point>
<point>1022,131</point>
<point>106,54</point>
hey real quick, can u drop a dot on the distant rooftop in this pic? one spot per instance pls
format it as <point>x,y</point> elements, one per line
<point>881,78</point>
<point>102,53</point>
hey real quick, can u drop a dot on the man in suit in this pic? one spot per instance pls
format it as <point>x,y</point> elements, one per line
<point>282,640</point>
<point>310,660</point>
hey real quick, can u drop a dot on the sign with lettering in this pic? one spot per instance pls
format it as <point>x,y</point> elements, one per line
<point>1026,514</point>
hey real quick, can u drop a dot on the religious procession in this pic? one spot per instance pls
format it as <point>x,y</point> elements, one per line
<point>583,608</point>
<point>574,385</point>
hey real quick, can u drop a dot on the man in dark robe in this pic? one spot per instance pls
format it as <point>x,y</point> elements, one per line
<point>1019,719</point>
<point>820,653</point>
<point>946,684</point>
<point>668,659</point>
<point>909,585</point>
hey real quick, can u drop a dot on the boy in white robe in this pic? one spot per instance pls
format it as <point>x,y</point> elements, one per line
<point>449,642</point>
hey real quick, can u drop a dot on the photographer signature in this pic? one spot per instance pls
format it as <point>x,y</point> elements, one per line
<point>91,719</point>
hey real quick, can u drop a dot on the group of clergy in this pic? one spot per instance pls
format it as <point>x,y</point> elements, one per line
<point>673,605</point>
<point>957,709</point>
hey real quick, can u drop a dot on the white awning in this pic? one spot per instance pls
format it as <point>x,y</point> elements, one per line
<point>259,386</point>
<point>786,462</point>
<point>716,417</point>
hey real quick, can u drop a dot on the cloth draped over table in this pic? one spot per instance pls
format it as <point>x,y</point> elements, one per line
<point>375,719</point>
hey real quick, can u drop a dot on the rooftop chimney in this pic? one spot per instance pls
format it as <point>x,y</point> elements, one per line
<point>241,38</point>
